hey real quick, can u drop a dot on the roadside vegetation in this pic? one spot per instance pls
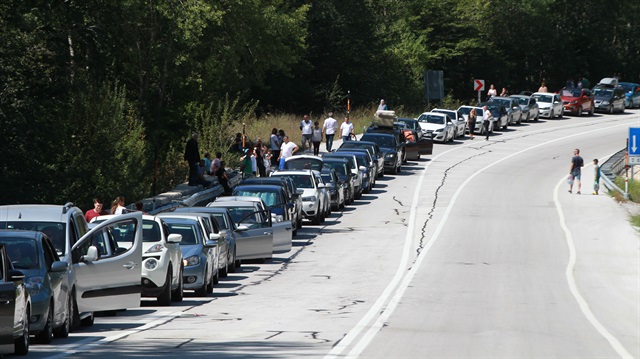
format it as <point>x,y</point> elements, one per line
<point>634,196</point>
<point>98,98</point>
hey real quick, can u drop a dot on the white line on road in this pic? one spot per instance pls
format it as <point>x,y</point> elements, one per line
<point>381,313</point>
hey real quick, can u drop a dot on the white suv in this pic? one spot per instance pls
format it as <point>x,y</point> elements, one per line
<point>102,275</point>
<point>161,260</point>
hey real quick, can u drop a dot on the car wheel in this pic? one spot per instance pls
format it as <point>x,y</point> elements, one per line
<point>236,261</point>
<point>610,109</point>
<point>579,111</point>
<point>21,344</point>
<point>622,109</point>
<point>88,321</point>
<point>537,117</point>
<point>164,299</point>
<point>631,104</point>
<point>551,114</point>
<point>202,291</point>
<point>178,294</point>
<point>46,335</point>
<point>225,270</point>
<point>561,115</point>
<point>520,120</point>
<point>591,110</point>
<point>63,330</point>
<point>316,219</point>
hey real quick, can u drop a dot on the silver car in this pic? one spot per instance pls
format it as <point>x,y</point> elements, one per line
<point>314,204</point>
<point>529,107</point>
<point>458,120</point>
<point>511,105</point>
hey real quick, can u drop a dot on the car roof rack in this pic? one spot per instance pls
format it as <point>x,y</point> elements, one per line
<point>66,207</point>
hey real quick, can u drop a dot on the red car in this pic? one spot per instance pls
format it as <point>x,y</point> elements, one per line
<point>577,100</point>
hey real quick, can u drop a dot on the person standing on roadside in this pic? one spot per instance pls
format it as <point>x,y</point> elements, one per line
<point>329,129</point>
<point>117,206</point>
<point>492,92</point>
<point>543,87</point>
<point>316,138</point>
<point>215,163</point>
<point>287,150</point>
<point>192,156</point>
<point>471,122</point>
<point>97,210</point>
<point>596,176</point>
<point>306,126</point>
<point>223,179</point>
<point>259,156</point>
<point>382,106</point>
<point>275,146</point>
<point>575,170</point>
<point>346,130</point>
<point>246,165</point>
<point>486,121</point>
<point>207,163</point>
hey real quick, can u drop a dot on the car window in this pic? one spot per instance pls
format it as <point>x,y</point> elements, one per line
<point>439,120</point>
<point>302,181</point>
<point>54,230</point>
<point>271,199</point>
<point>22,252</point>
<point>110,241</point>
<point>150,231</point>
<point>303,164</point>
<point>222,220</point>
<point>188,232</point>
<point>543,98</point>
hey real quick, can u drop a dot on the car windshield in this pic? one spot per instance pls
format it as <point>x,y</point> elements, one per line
<point>327,178</point>
<point>304,164</point>
<point>244,215</point>
<point>628,88</point>
<point>543,98</point>
<point>503,102</point>
<point>222,220</point>
<point>451,114</point>
<point>571,92</point>
<point>438,120</point>
<point>54,230</point>
<point>22,252</point>
<point>271,199</point>
<point>602,92</point>
<point>495,111</point>
<point>466,110</point>
<point>188,232</point>
<point>340,167</point>
<point>382,141</point>
<point>302,181</point>
<point>523,100</point>
<point>410,124</point>
<point>150,231</point>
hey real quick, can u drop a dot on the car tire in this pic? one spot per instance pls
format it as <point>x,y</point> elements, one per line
<point>21,344</point>
<point>202,291</point>
<point>178,294</point>
<point>561,115</point>
<point>210,284</point>
<point>164,299</point>
<point>88,321</point>
<point>63,330</point>
<point>46,335</point>
<point>223,272</point>
<point>631,104</point>
<point>610,109</point>
<point>591,111</point>
<point>316,219</point>
<point>580,111</point>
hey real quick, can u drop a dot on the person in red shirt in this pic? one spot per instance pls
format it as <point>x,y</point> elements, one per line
<point>96,211</point>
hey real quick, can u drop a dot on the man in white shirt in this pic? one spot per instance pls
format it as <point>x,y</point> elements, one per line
<point>486,120</point>
<point>287,150</point>
<point>329,130</point>
<point>346,129</point>
<point>306,127</point>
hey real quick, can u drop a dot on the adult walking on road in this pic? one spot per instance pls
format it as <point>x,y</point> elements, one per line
<point>287,150</point>
<point>329,128</point>
<point>346,130</point>
<point>471,122</point>
<point>575,170</point>
<point>192,156</point>
<point>306,126</point>
<point>486,121</point>
<point>316,138</point>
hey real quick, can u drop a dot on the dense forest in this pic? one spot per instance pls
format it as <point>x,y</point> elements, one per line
<point>97,96</point>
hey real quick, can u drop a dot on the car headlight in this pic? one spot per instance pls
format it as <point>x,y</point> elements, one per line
<point>155,248</point>
<point>574,102</point>
<point>34,284</point>
<point>309,199</point>
<point>389,155</point>
<point>605,102</point>
<point>439,130</point>
<point>191,261</point>
<point>151,263</point>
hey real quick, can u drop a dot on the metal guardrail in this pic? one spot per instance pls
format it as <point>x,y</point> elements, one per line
<point>611,168</point>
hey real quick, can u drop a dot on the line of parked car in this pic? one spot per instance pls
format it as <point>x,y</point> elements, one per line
<point>609,96</point>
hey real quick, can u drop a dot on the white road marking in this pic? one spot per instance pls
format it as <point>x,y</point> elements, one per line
<point>406,276</point>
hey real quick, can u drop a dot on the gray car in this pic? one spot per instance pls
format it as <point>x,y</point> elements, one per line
<point>529,107</point>
<point>514,113</point>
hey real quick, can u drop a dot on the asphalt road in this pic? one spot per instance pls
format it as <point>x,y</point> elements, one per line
<point>476,251</point>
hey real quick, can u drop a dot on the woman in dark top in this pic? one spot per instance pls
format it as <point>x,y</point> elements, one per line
<point>257,151</point>
<point>223,179</point>
<point>471,122</point>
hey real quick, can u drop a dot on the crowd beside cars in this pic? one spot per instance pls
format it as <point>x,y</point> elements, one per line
<point>59,270</point>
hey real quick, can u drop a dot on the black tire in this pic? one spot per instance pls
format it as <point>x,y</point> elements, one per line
<point>215,279</point>
<point>630,103</point>
<point>88,321</point>
<point>202,291</point>
<point>21,345</point>
<point>164,299</point>
<point>46,335</point>
<point>580,111</point>
<point>610,109</point>
<point>591,111</point>
<point>316,219</point>
<point>178,294</point>
<point>63,330</point>
<point>224,271</point>
<point>234,261</point>
<point>551,115</point>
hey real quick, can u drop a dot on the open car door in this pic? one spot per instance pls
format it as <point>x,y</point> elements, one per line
<point>7,305</point>
<point>282,236</point>
<point>254,237</point>
<point>107,262</point>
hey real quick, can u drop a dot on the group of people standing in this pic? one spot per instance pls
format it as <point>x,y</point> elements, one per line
<point>486,121</point>
<point>117,207</point>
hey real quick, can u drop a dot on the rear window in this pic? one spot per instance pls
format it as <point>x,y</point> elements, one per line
<point>56,231</point>
<point>188,232</point>
<point>23,252</point>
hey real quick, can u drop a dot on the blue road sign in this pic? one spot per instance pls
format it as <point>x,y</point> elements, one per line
<point>634,145</point>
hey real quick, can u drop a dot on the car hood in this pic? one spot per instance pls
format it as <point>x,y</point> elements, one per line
<point>190,250</point>
<point>603,98</point>
<point>430,126</point>
<point>544,104</point>
<point>386,150</point>
<point>569,99</point>
<point>309,192</point>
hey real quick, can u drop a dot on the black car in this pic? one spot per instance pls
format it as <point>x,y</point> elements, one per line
<point>15,308</point>
<point>291,193</point>
<point>608,98</point>
<point>341,166</point>
<point>374,151</point>
<point>335,186</point>
<point>389,145</point>
<point>397,132</point>
<point>365,164</point>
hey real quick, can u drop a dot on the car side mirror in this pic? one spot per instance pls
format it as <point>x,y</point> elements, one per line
<point>242,228</point>
<point>300,191</point>
<point>362,168</point>
<point>59,266</point>
<point>214,236</point>
<point>211,243</point>
<point>321,185</point>
<point>91,256</point>
<point>15,275</point>
<point>174,238</point>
